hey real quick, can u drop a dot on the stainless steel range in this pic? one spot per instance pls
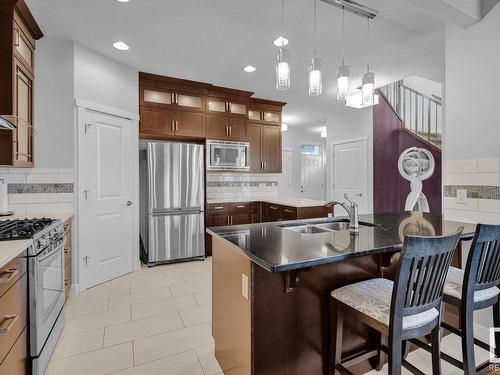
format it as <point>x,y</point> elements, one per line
<point>46,283</point>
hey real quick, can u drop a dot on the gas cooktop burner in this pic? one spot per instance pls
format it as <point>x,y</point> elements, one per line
<point>22,229</point>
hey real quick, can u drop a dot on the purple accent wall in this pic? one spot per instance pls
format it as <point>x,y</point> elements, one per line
<point>389,140</point>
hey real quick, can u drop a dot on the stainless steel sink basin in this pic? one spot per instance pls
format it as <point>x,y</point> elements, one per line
<point>306,229</point>
<point>340,225</point>
<point>322,226</point>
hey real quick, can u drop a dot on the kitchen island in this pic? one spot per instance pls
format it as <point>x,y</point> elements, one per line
<point>272,284</point>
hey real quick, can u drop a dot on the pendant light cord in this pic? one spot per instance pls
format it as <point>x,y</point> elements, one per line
<point>368,41</point>
<point>343,35</point>
<point>315,27</point>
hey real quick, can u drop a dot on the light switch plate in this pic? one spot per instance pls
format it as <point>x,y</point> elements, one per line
<point>461,195</point>
<point>244,286</point>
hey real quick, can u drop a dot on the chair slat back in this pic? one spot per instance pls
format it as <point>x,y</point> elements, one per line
<point>483,263</point>
<point>422,271</point>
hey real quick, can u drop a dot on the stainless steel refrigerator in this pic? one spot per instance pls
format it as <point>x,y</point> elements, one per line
<point>171,201</point>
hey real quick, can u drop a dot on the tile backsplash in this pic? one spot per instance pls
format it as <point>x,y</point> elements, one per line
<point>39,190</point>
<point>479,180</point>
<point>241,185</point>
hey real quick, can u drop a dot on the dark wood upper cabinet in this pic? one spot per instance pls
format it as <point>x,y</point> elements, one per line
<point>216,127</point>
<point>254,135</point>
<point>177,109</point>
<point>189,124</point>
<point>265,111</point>
<point>157,121</point>
<point>271,148</point>
<point>265,148</point>
<point>18,35</point>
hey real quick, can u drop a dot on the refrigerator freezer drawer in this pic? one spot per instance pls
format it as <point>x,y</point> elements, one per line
<point>175,237</point>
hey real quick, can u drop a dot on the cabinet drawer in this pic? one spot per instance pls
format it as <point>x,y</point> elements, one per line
<point>67,273</point>
<point>236,208</point>
<point>67,255</point>
<point>13,315</point>
<point>289,213</point>
<point>16,362</point>
<point>12,272</point>
<point>218,209</point>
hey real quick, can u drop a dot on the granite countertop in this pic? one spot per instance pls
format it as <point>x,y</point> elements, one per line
<point>63,216</point>
<point>276,249</point>
<point>11,249</point>
<point>285,201</point>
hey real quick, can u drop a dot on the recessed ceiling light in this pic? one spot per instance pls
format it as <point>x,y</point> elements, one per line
<point>249,68</point>
<point>123,1</point>
<point>280,41</point>
<point>122,46</point>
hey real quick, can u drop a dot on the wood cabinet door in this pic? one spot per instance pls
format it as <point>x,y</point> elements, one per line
<point>254,136</point>
<point>157,97</point>
<point>274,212</point>
<point>254,115</point>
<point>288,213</point>
<point>270,116</point>
<point>241,218</point>
<point>23,108</point>
<point>23,45</point>
<point>271,148</point>
<point>237,108</point>
<point>237,129</point>
<point>190,124</point>
<point>216,105</point>
<point>189,101</point>
<point>157,121</point>
<point>216,127</point>
<point>217,220</point>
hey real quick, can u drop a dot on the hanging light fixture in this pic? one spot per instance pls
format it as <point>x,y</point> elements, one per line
<point>315,74</point>
<point>343,70</point>
<point>368,81</point>
<point>283,58</point>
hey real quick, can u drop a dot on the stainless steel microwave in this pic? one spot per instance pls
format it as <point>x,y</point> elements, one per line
<point>223,155</point>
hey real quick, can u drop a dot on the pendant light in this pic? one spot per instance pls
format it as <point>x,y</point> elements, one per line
<point>368,82</point>
<point>283,58</point>
<point>315,74</point>
<point>343,70</point>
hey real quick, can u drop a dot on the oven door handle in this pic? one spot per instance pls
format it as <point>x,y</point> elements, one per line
<point>53,252</point>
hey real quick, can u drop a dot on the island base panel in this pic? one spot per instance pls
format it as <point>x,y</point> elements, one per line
<point>231,311</point>
<point>291,331</point>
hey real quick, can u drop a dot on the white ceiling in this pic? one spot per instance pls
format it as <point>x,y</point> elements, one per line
<point>211,40</point>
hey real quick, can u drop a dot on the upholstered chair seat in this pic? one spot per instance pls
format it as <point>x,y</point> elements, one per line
<point>454,283</point>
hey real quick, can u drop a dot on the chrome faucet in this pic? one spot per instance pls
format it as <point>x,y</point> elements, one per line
<point>352,211</point>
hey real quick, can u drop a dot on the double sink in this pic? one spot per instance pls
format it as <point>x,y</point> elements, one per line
<point>322,226</point>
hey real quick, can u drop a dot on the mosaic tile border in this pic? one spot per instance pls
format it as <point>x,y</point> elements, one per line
<point>40,188</point>
<point>212,184</point>
<point>478,192</point>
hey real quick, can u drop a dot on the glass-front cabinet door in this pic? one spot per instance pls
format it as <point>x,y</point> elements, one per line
<point>172,98</point>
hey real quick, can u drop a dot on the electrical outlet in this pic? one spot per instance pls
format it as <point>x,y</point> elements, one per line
<point>461,195</point>
<point>244,286</point>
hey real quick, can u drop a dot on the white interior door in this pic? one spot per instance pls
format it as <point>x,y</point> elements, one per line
<point>285,178</point>
<point>350,168</point>
<point>106,201</point>
<point>312,177</point>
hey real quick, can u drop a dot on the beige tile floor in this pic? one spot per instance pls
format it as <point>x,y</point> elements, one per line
<point>151,322</point>
<point>157,321</point>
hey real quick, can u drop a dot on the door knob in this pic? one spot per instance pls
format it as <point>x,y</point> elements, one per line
<point>129,203</point>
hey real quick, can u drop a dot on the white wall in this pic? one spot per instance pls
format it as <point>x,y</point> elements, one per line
<point>54,89</point>
<point>348,124</point>
<point>472,90</point>
<point>292,139</point>
<point>102,80</point>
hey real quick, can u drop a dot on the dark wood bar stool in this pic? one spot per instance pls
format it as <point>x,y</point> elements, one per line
<point>401,310</point>
<point>475,288</point>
